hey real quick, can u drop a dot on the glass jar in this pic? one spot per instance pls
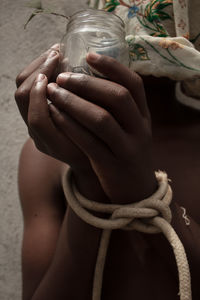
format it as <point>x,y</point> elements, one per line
<point>93,30</point>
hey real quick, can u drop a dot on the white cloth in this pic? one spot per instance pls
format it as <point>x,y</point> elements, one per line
<point>159,34</point>
<point>163,38</point>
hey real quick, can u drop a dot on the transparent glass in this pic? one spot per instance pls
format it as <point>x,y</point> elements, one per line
<point>93,30</point>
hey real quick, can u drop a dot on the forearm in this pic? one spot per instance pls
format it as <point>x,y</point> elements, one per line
<point>70,274</point>
<point>71,271</point>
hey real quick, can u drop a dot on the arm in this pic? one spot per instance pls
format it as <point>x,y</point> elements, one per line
<point>102,166</point>
<point>43,209</point>
<point>69,243</point>
<point>57,257</point>
<point>36,264</point>
<point>46,243</point>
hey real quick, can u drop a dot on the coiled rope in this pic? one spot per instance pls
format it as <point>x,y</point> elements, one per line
<point>151,215</point>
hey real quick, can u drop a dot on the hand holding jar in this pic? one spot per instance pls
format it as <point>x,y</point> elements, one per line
<point>99,126</point>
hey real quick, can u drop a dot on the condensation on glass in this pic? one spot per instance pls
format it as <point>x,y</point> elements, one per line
<point>92,31</point>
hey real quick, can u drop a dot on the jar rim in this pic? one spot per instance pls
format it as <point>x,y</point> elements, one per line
<point>97,11</point>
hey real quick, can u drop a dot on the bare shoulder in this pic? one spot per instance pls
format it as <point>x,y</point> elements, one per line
<point>43,206</point>
<point>39,180</point>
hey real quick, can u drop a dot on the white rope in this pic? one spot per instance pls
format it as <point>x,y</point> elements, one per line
<point>151,215</point>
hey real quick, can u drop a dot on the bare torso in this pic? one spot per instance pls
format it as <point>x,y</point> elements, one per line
<point>176,148</point>
<point>142,271</point>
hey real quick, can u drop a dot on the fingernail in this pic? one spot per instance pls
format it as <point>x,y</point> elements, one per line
<point>55,47</point>
<point>67,75</point>
<point>64,76</point>
<point>40,77</point>
<point>52,54</point>
<point>93,57</point>
<point>52,86</point>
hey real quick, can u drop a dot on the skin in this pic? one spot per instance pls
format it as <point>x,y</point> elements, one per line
<point>102,129</point>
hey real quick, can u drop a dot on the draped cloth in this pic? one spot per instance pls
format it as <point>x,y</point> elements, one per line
<point>163,38</point>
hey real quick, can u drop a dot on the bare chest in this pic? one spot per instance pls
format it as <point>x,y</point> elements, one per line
<point>137,271</point>
<point>177,151</point>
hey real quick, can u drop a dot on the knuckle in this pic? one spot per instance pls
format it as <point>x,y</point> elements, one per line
<point>66,99</point>
<point>122,93</point>
<point>102,120</point>
<point>83,78</point>
<point>21,93</point>
<point>66,95</point>
<point>17,95</point>
<point>20,79</point>
<point>83,82</point>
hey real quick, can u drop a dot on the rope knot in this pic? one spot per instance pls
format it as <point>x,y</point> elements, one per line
<point>151,215</point>
<point>137,216</point>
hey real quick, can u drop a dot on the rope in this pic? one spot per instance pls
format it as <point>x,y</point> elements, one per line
<point>151,215</point>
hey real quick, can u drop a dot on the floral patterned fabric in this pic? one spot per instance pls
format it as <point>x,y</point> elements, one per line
<point>163,35</point>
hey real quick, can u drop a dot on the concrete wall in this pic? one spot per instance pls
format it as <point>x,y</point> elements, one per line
<point>17,48</point>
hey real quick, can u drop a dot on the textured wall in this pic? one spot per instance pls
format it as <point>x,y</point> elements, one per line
<point>17,48</point>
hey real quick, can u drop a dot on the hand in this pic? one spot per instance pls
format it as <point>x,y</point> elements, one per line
<point>110,122</point>
<point>31,100</point>
<point>46,63</point>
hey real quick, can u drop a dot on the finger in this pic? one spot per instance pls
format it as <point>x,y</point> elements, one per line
<point>92,147</point>
<point>34,65</point>
<point>39,144</point>
<point>22,93</point>
<point>47,137</point>
<point>113,97</point>
<point>39,120</point>
<point>96,119</point>
<point>119,73</point>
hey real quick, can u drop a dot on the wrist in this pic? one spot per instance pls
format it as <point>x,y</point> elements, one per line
<point>139,186</point>
<point>88,185</point>
<point>137,181</point>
